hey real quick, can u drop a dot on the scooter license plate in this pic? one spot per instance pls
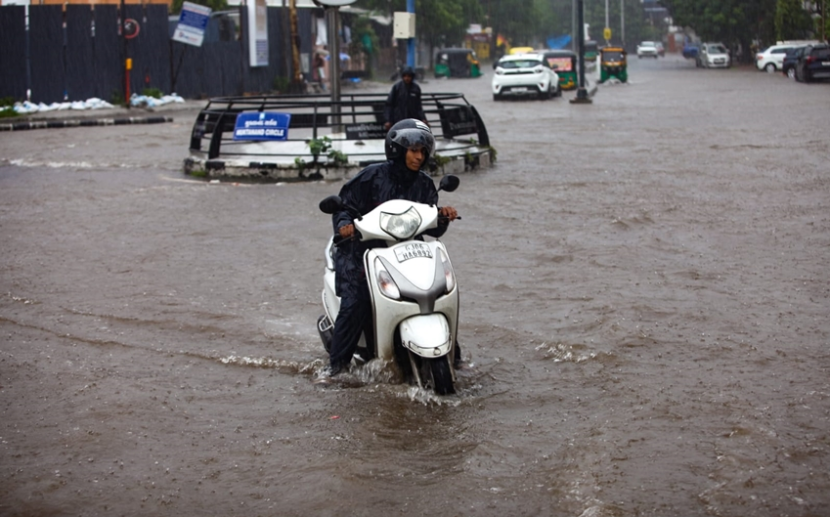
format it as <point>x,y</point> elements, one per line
<point>413,250</point>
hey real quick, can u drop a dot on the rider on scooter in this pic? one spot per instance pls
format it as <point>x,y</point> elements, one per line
<point>409,144</point>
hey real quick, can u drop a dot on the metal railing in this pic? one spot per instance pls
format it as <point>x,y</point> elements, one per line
<point>355,117</point>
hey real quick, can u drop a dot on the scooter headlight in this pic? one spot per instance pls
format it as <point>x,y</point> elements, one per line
<point>401,226</point>
<point>385,283</point>
<point>449,274</point>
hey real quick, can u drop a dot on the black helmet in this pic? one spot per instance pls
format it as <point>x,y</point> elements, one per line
<point>408,70</point>
<point>405,134</point>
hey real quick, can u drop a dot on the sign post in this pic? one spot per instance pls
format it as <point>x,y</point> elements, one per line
<point>333,28</point>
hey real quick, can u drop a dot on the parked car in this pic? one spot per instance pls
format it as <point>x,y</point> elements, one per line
<point>690,50</point>
<point>814,63</point>
<point>790,59</point>
<point>714,55</point>
<point>771,59</point>
<point>660,50</point>
<point>525,75</point>
<point>647,49</point>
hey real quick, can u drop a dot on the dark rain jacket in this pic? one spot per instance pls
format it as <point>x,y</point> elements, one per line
<point>404,102</point>
<point>374,185</point>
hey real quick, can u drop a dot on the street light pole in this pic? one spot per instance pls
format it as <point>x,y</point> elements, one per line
<point>581,93</point>
<point>410,43</point>
<point>622,23</point>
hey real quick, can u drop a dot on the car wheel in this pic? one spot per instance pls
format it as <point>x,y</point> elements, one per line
<point>496,97</point>
<point>770,68</point>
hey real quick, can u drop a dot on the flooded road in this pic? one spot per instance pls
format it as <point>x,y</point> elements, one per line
<point>644,291</point>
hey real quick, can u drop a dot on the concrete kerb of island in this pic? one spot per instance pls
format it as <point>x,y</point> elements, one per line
<point>450,157</point>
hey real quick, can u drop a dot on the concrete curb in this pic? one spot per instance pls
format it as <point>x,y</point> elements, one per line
<point>50,124</point>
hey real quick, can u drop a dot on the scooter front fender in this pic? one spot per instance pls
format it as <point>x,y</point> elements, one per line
<point>427,335</point>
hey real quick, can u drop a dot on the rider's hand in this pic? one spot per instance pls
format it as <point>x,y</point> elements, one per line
<point>448,212</point>
<point>346,231</point>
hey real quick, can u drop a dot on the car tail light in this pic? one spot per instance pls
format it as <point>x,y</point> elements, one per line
<point>810,59</point>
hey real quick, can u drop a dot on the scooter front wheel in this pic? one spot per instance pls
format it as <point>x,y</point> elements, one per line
<point>440,374</point>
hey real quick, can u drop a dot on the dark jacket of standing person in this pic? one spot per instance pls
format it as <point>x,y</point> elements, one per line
<point>404,100</point>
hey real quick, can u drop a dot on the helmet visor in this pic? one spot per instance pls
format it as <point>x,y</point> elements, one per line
<point>411,137</point>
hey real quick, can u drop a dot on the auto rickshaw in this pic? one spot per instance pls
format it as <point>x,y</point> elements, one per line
<point>563,63</point>
<point>457,62</point>
<point>613,64</point>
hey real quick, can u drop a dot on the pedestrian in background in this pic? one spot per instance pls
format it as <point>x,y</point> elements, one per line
<point>404,100</point>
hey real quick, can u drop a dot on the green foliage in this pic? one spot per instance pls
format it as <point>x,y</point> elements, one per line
<point>8,112</point>
<point>117,98</point>
<point>152,92</point>
<point>493,154</point>
<point>728,21</point>
<point>281,83</point>
<point>440,161</point>
<point>792,21</point>
<point>7,107</point>
<point>321,146</point>
<point>365,39</point>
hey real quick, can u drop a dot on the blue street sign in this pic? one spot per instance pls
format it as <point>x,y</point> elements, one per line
<point>262,126</point>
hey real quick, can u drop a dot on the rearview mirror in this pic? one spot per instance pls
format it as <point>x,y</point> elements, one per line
<point>449,183</point>
<point>331,205</point>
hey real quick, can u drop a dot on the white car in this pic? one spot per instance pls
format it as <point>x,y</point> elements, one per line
<point>525,75</point>
<point>714,55</point>
<point>647,49</point>
<point>772,59</point>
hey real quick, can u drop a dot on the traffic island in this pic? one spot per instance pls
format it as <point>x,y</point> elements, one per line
<point>309,137</point>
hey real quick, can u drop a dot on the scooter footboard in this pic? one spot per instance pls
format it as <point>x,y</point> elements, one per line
<point>426,335</point>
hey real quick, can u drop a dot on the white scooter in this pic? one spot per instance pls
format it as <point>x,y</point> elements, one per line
<point>412,286</point>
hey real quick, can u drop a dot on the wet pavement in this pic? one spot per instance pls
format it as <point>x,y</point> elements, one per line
<point>644,295</point>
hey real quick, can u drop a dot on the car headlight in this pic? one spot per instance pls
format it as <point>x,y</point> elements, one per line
<point>499,71</point>
<point>401,226</point>
<point>538,70</point>
<point>449,274</point>
<point>385,283</point>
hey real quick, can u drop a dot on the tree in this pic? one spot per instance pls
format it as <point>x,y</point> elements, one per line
<point>736,23</point>
<point>792,21</point>
<point>439,22</point>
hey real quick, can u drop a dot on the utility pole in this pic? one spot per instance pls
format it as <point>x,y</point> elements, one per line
<point>606,13</point>
<point>581,93</point>
<point>622,23</point>
<point>333,28</point>
<point>410,43</point>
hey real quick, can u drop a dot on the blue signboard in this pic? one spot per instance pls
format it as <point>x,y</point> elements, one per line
<point>262,126</point>
<point>192,23</point>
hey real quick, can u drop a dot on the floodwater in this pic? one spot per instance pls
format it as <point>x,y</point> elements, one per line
<point>645,300</point>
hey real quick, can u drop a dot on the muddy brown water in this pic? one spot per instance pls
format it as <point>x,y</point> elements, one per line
<point>645,305</point>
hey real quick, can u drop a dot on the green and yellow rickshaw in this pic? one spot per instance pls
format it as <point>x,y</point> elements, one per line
<point>613,64</point>
<point>457,62</point>
<point>563,63</point>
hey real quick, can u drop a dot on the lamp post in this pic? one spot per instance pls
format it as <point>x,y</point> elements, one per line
<point>333,27</point>
<point>581,93</point>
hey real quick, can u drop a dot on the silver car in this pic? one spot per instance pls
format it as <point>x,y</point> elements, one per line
<point>647,49</point>
<point>714,55</point>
